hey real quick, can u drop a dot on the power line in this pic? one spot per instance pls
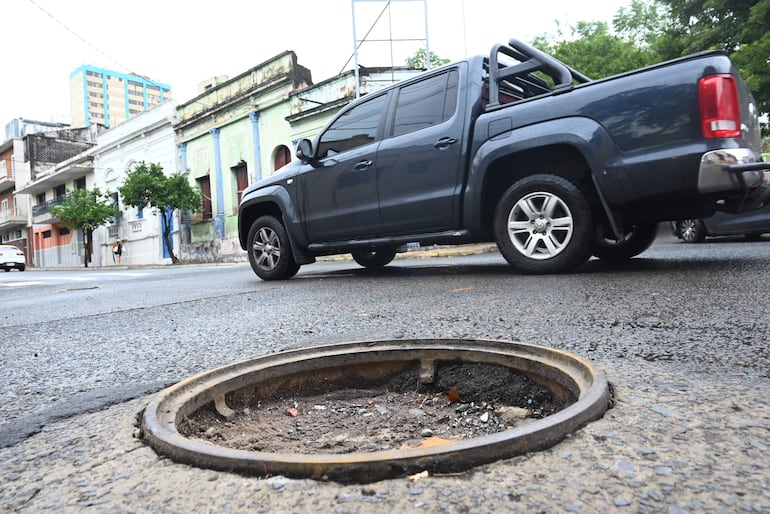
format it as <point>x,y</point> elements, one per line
<point>79,36</point>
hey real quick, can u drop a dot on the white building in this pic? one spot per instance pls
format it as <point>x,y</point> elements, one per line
<point>148,137</point>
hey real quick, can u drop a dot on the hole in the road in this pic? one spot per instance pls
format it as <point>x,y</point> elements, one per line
<point>364,411</point>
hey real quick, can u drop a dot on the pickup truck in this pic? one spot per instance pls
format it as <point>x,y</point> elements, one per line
<point>519,149</point>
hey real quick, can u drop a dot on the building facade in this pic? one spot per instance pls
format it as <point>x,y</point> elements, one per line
<point>147,138</point>
<point>230,135</point>
<point>20,127</point>
<point>14,209</point>
<point>58,162</point>
<point>110,98</point>
<point>102,162</point>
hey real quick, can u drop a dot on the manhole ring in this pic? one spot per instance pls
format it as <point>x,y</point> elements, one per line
<point>553,368</point>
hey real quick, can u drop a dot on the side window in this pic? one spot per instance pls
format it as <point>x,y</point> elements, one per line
<point>355,128</point>
<point>426,103</point>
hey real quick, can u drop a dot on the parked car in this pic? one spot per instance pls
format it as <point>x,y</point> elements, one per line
<point>11,257</point>
<point>750,224</point>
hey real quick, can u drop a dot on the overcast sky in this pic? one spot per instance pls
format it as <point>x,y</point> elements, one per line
<point>182,43</point>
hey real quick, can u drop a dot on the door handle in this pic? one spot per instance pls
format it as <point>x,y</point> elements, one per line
<point>363,165</point>
<point>444,142</point>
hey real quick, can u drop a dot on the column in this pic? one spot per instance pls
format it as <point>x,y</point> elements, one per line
<point>254,117</point>
<point>219,217</point>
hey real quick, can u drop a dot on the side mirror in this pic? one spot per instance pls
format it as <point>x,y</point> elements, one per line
<point>305,151</point>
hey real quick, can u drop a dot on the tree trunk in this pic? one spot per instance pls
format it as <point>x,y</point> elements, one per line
<point>86,246</point>
<point>168,217</point>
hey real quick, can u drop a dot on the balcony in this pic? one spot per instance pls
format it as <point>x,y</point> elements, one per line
<point>7,184</point>
<point>41,213</point>
<point>9,220</point>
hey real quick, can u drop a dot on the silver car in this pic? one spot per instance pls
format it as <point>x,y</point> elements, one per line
<point>12,257</point>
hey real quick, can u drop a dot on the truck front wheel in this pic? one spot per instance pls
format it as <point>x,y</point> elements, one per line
<point>543,224</point>
<point>269,250</point>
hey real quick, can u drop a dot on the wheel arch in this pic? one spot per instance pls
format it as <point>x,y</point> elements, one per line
<point>580,155</point>
<point>274,201</point>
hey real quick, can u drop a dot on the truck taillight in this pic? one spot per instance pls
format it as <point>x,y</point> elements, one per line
<point>720,110</point>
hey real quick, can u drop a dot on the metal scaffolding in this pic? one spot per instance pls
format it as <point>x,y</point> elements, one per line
<point>357,43</point>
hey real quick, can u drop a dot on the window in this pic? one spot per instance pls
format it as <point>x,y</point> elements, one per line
<point>80,183</point>
<point>46,234</point>
<point>282,157</point>
<point>59,191</point>
<point>204,183</point>
<point>40,198</point>
<point>356,127</point>
<point>426,103</point>
<point>63,231</point>
<point>241,180</point>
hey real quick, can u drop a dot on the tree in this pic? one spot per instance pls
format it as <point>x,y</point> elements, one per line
<point>738,27</point>
<point>148,186</point>
<point>418,61</point>
<point>86,209</point>
<point>594,51</point>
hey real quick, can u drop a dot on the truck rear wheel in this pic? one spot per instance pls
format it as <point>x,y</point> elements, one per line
<point>543,224</point>
<point>375,258</point>
<point>269,250</point>
<point>635,242</point>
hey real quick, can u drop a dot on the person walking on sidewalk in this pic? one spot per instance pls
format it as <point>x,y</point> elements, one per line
<point>117,251</point>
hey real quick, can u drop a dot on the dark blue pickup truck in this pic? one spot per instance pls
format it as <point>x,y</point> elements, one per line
<point>519,149</point>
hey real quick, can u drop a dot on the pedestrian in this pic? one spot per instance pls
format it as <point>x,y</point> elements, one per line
<point>117,251</point>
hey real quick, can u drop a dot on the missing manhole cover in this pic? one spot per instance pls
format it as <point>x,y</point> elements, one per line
<point>360,414</point>
<point>364,411</point>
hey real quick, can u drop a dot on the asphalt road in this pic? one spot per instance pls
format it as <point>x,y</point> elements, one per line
<point>682,333</point>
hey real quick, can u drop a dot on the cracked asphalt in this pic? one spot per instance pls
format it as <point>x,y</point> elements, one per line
<point>681,332</point>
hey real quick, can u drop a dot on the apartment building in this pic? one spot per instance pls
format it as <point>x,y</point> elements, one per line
<point>109,98</point>
<point>13,209</point>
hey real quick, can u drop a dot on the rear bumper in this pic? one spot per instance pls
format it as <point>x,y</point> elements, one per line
<point>736,172</point>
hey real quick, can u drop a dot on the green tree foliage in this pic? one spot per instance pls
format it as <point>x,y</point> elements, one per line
<point>146,185</point>
<point>739,27</point>
<point>641,23</point>
<point>594,51</point>
<point>418,62</point>
<point>86,209</point>
<point>650,31</point>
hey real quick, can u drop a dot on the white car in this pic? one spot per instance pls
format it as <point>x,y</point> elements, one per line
<point>12,257</point>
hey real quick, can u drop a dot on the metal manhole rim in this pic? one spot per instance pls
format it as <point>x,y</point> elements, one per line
<point>159,421</point>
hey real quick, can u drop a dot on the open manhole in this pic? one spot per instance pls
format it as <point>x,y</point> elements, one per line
<point>369,410</point>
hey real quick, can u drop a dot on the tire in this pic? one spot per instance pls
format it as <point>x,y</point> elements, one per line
<point>6,269</point>
<point>543,224</point>
<point>22,267</point>
<point>634,243</point>
<point>269,250</point>
<point>376,258</point>
<point>692,231</point>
